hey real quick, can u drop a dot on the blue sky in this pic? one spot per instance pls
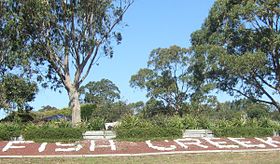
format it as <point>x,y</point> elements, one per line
<point>151,24</point>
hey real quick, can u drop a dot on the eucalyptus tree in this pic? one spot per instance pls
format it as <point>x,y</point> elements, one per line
<point>103,91</point>
<point>167,78</point>
<point>237,49</point>
<point>16,93</point>
<point>63,39</point>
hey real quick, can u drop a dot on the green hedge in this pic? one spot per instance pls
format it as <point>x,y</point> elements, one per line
<point>7,131</point>
<point>146,133</point>
<point>52,134</point>
<point>243,132</point>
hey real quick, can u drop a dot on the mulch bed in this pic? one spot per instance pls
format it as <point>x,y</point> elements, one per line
<point>113,147</point>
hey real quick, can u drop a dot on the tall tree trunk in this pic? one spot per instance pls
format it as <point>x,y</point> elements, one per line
<point>74,105</point>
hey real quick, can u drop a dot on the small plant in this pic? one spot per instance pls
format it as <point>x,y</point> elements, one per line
<point>175,122</point>
<point>95,124</point>
<point>190,122</point>
<point>130,121</point>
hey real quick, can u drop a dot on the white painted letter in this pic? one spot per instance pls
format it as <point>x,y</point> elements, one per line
<point>184,142</point>
<point>10,145</point>
<point>73,147</point>
<point>111,145</point>
<point>172,147</point>
<point>42,147</point>
<point>269,141</point>
<point>220,144</point>
<point>247,144</point>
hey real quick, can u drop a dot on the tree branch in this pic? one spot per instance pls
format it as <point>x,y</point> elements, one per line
<point>90,65</point>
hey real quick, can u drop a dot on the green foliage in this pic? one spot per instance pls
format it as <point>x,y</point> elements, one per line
<point>190,122</point>
<point>237,49</point>
<point>136,128</point>
<point>221,124</point>
<point>175,121</point>
<point>257,113</point>
<point>268,123</point>
<point>95,124</point>
<point>46,113</point>
<point>243,132</point>
<point>87,111</point>
<point>9,131</point>
<point>53,35</point>
<point>167,121</point>
<point>16,92</point>
<point>100,92</point>
<point>47,108</point>
<point>46,133</point>
<point>155,107</point>
<point>57,124</point>
<point>19,117</point>
<point>204,123</point>
<point>111,112</point>
<point>137,107</point>
<point>129,121</point>
<point>166,78</point>
<point>154,132</point>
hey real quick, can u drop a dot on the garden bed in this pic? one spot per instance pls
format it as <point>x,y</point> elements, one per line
<point>125,148</point>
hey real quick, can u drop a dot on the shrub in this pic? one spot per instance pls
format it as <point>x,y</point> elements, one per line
<point>175,122</point>
<point>95,124</point>
<point>221,124</point>
<point>58,124</point>
<point>87,110</point>
<point>268,123</point>
<point>243,132</point>
<point>7,131</point>
<point>132,127</point>
<point>159,120</point>
<point>257,113</point>
<point>204,123</point>
<point>138,133</point>
<point>19,117</point>
<point>253,123</point>
<point>46,133</point>
<point>190,122</point>
<point>129,122</point>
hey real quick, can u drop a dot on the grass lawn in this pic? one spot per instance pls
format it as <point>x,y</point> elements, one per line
<point>256,157</point>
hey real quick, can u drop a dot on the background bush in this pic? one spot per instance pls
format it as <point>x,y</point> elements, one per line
<point>9,130</point>
<point>95,124</point>
<point>155,132</point>
<point>243,132</point>
<point>87,111</point>
<point>46,133</point>
<point>130,121</point>
<point>137,128</point>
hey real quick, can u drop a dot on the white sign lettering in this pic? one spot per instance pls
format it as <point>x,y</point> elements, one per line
<point>72,147</point>
<point>189,141</point>
<point>111,145</point>
<point>42,147</point>
<point>247,144</point>
<point>149,143</point>
<point>10,145</point>
<point>219,144</point>
<point>269,141</point>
